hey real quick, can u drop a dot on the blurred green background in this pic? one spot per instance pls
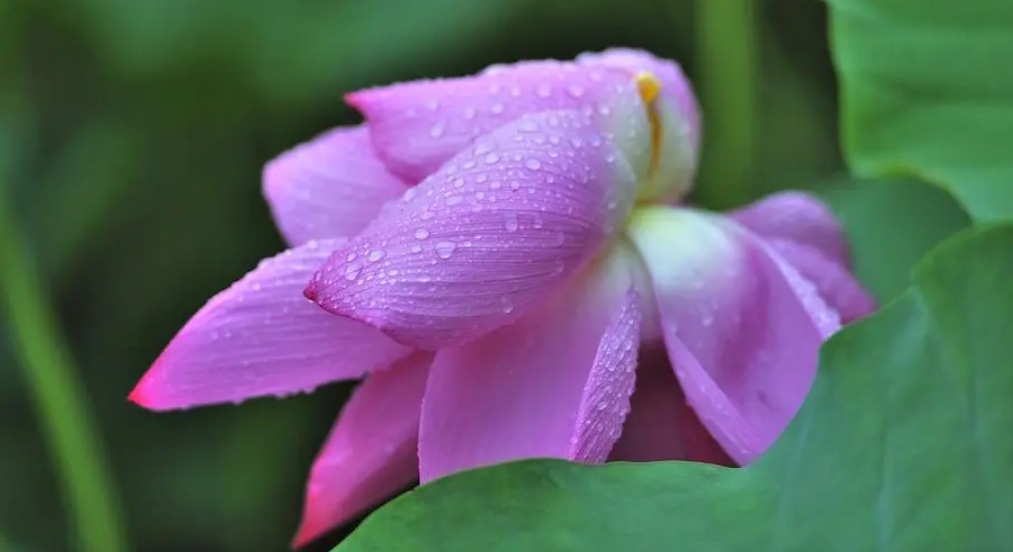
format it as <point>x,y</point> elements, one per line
<point>132,135</point>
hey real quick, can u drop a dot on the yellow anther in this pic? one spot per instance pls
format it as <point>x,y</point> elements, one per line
<point>648,85</point>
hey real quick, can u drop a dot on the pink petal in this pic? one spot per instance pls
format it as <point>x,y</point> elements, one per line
<point>492,233</point>
<point>555,384</point>
<point>372,450</point>
<point>836,285</point>
<point>262,337</point>
<point>742,328</point>
<point>329,187</point>
<point>799,217</point>
<point>673,80</point>
<point>661,426</point>
<point>417,126</point>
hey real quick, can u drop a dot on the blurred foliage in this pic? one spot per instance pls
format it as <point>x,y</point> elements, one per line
<point>132,133</point>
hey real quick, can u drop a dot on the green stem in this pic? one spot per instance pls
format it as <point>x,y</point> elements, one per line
<point>727,50</point>
<point>57,396</point>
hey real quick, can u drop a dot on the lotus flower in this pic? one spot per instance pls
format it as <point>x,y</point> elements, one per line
<point>504,258</point>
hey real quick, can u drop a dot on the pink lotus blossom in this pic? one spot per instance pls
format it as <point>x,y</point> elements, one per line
<point>504,259</point>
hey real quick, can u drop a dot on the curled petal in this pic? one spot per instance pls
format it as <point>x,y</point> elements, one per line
<point>836,285</point>
<point>742,327</point>
<point>476,244</point>
<point>418,126</point>
<point>675,87</point>
<point>661,426</point>
<point>329,187</point>
<point>262,337</point>
<point>799,217</point>
<point>372,450</point>
<point>555,384</point>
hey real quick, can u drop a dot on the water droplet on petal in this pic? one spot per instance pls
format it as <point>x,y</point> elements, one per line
<point>575,90</point>
<point>533,164</point>
<point>421,233</point>
<point>527,125</point>
<point>352,271</point>
<point>454,200</point>
<point>436,131</point>
<point>492,158</point>
<point>376,255</point>
<point>445,249</point>
<point>544,91</point>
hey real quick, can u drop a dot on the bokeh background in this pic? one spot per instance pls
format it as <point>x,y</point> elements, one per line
<point>132,136</point>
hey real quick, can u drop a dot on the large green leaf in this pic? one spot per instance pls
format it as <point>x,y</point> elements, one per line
<point>903,445</point>
<point>891,224</point>
<point>927,92</point>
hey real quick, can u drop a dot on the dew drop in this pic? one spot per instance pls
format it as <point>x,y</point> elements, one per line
<point>410,194</point>
<point>436,131</point>
<point>350,257</point>
<point>469,112</point>
<point>454,200</point>
<point>527,125</point>
<point>495,185</point>
<point>496,108</point>
<point>533,164</point>
<point>416,249</point>
<point>575,90</point>
<point>544,91</point>
<point>421,233</point>
<point>492,158</point>
<point>458,182</point>
<point>376,255</point>
<point>445,249</point>
<point>352,271</point>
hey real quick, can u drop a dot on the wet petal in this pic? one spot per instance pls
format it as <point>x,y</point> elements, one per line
<point>661,426</point>
<point>418,126</point>
<point>742,327</point>
<point>799,217</point>
<point>372,450</point>
<point>262,337</point>
<point>491,234</point>
<point>555,384</point>
<point>329,187</point>
<point>836,285</point>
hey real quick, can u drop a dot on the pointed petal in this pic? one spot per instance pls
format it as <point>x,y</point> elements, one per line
<point>329,187</point>
<point>836,285</point>
<point>555,384</point>
<point>799,217</point>
<point>742,328</point>
<point>418,126</point>
<point>488,236</point>
<point>262,337</point>
<point>372,450</point>
<point>661,426</point>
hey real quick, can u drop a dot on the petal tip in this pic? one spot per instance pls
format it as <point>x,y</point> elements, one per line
<point>144,394</point>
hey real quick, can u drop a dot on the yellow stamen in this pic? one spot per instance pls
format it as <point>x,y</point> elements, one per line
<point>649,87</point>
